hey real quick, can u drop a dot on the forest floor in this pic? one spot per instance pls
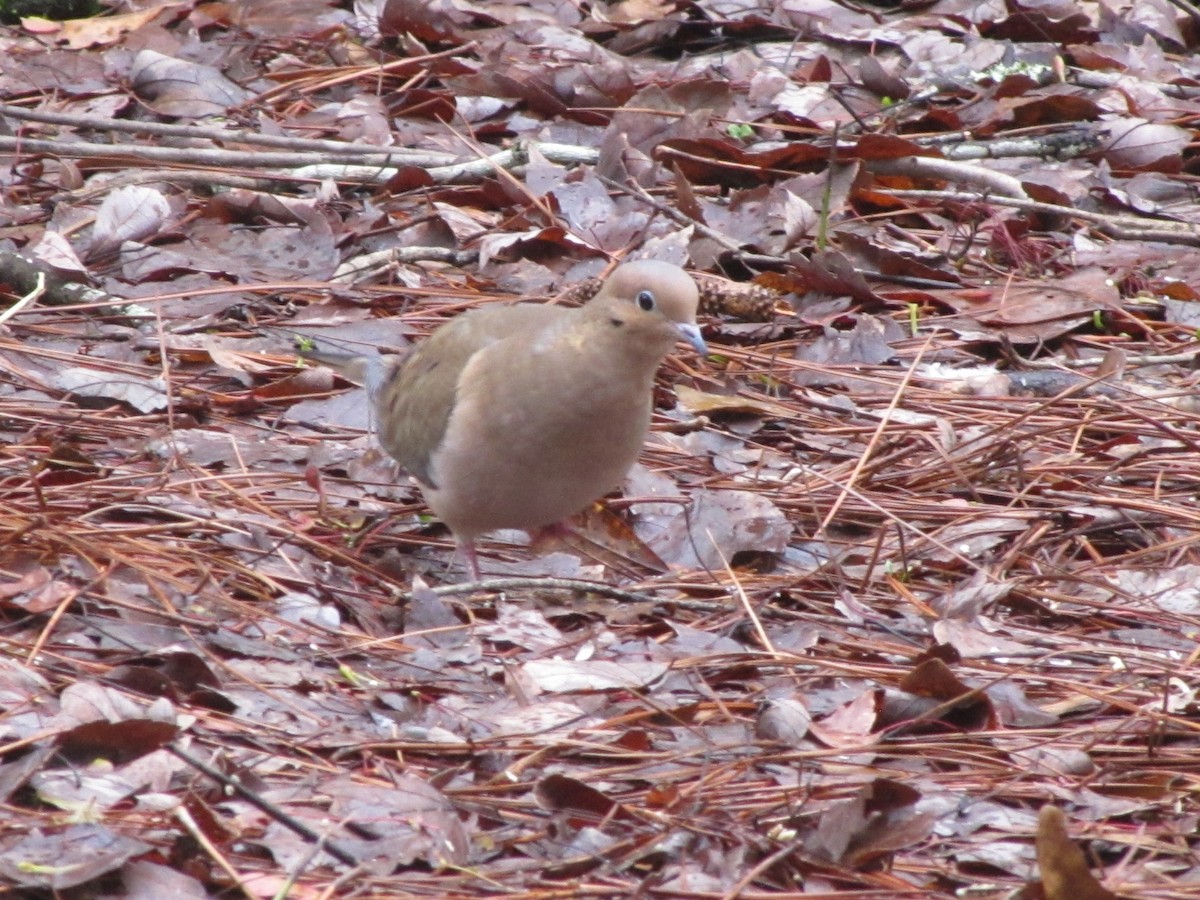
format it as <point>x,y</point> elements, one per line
<point>901,600</point>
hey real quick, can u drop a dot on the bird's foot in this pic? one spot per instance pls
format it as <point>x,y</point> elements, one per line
<point>549,536</point>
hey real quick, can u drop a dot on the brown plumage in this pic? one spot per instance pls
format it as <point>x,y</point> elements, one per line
<point>520,416</point>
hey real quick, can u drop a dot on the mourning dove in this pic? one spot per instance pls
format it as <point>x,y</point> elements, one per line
<point>520,416</point>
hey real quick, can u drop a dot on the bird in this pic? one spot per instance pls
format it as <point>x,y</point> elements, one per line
<point>520,416</point>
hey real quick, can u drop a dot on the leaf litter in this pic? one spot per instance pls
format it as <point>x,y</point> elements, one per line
<point>900,600</point>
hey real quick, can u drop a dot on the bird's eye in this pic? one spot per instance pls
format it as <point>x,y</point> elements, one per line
<point>645,300</point>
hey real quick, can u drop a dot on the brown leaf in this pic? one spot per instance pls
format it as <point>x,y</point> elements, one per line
<point>178,87</point>
<point>131,213</point>
<point>880,818</point>
<point>1145,146</point>
<point>559,793</point>
<point>1064,870</point>
<point>118,742</point>
<point>851,724</point>
<point>706,404</point>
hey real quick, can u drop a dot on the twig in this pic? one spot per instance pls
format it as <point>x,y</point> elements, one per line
<point>1124,228</point>
<point>498,585</point>
<point>185,819</point>
<point>227,136</point>
<point>305,166</point>
<point>963,173</point>
<point>353,271</point>
<point>204,178</point>
<point>468,172</point>
<point>1189,358</point>
<point>288,822</point>
<point>194,156</point>
<point>39,288</point>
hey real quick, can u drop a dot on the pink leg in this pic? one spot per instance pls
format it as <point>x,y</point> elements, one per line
<point>468,551</point>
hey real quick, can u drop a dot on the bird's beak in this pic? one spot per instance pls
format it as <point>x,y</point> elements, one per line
<point>690,332</point>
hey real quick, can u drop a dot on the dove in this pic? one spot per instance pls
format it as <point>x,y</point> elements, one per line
<point>520,416</point>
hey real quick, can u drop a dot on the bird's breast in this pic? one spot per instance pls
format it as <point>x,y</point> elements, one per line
<point>537,445</point>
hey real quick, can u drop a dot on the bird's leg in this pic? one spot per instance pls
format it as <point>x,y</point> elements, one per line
<point>467,548</point>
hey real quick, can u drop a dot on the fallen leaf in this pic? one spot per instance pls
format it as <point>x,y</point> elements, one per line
<point>1064,870</point>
